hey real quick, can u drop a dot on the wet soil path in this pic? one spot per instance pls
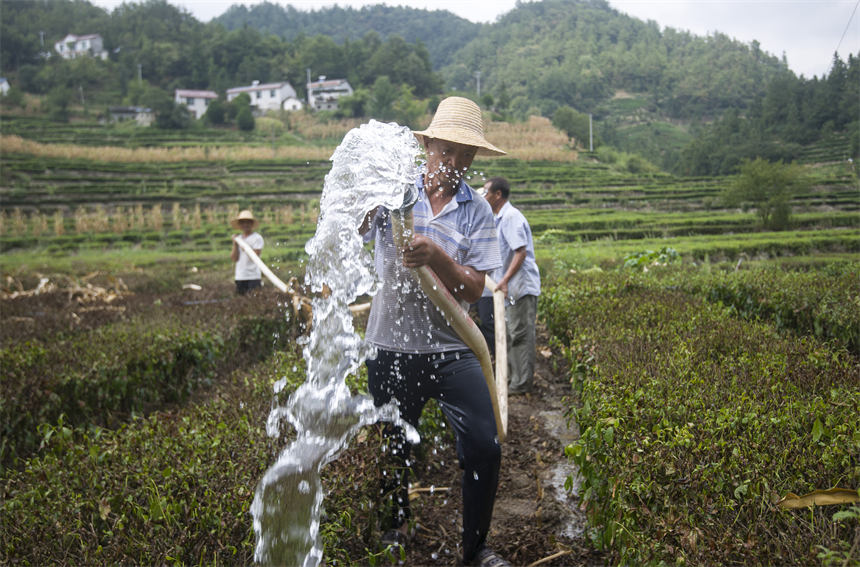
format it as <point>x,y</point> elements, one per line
<point>535,521</point>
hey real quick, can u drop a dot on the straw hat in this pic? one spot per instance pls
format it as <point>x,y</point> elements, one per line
<point>244,215</point>
<point>459,120</point>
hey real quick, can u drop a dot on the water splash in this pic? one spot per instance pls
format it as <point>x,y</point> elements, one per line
<point>375,165</point>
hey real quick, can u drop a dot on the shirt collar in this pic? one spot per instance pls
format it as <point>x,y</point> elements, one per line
<point>503,209</point>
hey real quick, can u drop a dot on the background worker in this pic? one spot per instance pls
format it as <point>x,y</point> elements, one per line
<point>247,273</point>
<point>519,279</point>
<point>419,356</point>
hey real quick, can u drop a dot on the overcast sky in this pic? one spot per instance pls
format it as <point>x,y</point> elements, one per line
<point>807,31</point>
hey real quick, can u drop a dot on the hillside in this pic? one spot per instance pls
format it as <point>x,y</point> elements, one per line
<point>442,32</point>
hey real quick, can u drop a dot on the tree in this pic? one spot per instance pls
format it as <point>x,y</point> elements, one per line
<point>382,98</point>
<point>215,112</point>
<point>245,120</point>
<point>769,187</point>
<point>58,104</point>
<point>573,123</point>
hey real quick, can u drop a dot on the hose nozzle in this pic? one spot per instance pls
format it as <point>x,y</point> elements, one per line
<point>410,196</point>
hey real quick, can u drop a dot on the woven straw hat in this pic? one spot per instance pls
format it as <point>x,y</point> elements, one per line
<point>244,215</point>
<point>459,120</point>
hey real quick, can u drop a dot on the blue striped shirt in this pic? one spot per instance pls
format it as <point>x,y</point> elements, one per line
<point>402,318</point>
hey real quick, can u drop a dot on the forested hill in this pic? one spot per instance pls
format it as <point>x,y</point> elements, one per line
<point>550,53</point>
<point>580,52</point>
<point>442,32</point>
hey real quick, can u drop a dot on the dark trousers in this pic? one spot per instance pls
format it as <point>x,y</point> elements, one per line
<point>487,324</point>
<point>244,286</point>
<point>456,382</point>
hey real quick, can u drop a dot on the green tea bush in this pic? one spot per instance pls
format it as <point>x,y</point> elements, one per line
<point>103,375</point>
<point>172,488</point>
<point>824,305</point>
<point>694,422</point>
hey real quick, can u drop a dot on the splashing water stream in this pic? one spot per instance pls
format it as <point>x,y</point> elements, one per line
<point>375,165</point>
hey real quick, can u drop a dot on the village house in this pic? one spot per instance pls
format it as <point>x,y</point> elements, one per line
<point>143,116</point>
<point>323,94</point>
<point>268,96</point>
<point>73,46</point>
<point>196,101</point>
<point>4,86</point>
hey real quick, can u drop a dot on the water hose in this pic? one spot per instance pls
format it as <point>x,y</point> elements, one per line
<point>252,254</point>
<point>402,222</point>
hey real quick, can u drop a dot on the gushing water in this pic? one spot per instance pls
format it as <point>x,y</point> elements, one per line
<point>375,165</point>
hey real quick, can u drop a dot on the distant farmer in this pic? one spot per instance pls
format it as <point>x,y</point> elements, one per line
<point>519,279</point>
<point>247,272</point>
<point>419,355</point>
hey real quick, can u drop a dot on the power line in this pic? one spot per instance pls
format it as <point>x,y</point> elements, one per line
<point>848,25</point>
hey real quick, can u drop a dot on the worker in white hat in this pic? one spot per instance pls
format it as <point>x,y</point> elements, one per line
<point>419,356</point>
<point>247,273</point>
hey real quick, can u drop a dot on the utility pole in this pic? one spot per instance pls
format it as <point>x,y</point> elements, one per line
<point>139,73</point>
<point>308,85</point>
<point>478,77</point>
<point>590,136</point>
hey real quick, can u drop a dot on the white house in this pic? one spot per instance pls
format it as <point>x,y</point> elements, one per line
<point>292,104</point>
<point>4,86</point>
<point>196,101</point>
<point>323,94</point>
<point>73,46</point>
<point>269,96</point>
<point>143,116</point>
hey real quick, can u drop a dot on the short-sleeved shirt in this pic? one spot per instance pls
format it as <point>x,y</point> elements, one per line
<point>402,317</point>
<point>246,269</point>
<point>514,233</point>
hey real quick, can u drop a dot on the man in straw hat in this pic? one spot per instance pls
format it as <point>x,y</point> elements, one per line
<point>248,274</point>
<point>419,355</point>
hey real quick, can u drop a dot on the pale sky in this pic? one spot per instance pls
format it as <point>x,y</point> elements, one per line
<point>807,31</point>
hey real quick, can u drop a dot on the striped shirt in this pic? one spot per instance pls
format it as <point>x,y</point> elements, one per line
<point>402,317</point>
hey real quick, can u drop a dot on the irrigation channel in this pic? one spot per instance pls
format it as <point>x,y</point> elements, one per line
<point>375,165</point>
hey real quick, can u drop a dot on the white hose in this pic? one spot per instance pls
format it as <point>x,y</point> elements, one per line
<point>263,267</point>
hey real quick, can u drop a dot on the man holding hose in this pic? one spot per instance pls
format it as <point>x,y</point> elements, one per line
<point>419,355</point>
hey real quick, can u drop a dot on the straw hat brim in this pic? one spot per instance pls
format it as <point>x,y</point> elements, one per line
<point>235,222</point>
<point>460,136</point>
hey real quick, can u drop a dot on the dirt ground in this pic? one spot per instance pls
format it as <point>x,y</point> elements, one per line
<point>535,521</point>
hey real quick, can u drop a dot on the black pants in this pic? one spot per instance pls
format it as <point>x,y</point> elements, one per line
<point>244,286</point>
<point>456,382</point>
<point>487,324</point>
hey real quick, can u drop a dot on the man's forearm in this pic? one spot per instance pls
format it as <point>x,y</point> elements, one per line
<point>516,264</point>
<point>463,282</point>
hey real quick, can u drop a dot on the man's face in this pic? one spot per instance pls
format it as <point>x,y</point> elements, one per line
<point>447,163</point>
<point>492,197</point>
<point>246,226</point>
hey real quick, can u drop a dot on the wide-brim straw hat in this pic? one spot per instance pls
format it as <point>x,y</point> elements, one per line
<point>459,120</point>
<point>244,215</point>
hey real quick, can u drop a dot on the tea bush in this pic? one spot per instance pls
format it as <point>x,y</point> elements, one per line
<point>103,375</point>
<point>173,487</point>
<point>694,422</point>
<point>824,304</point>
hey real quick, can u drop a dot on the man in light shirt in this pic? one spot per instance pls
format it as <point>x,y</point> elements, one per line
<point>519,279</point>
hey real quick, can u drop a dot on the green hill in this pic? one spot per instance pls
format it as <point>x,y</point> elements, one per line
<point>442,32</point>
